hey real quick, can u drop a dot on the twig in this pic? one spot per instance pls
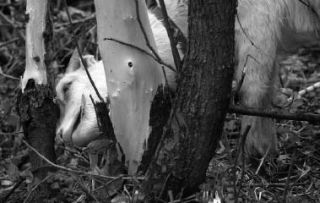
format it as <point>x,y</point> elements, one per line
<point>309,6</point>
<point>175,53</point>
<point>84,20</point>
<point>9,42</point>
<point>250,40</point>
<point>243,73</point>
<point>35,187</point>
<point>241,148</point>
<point>289,174</point>
<point>159,60</point>
<point>276,114</point>
<point>7,76</point>
<point>262,160</point>
<point>164,186</point>
<point>19,182</point>
<point>308,89</point>
<point>13,133</point>
<point>108,183</point>
<point>86,191</point>
<point>192,198</point>
<point>154,52</point>
<point>103,119</point>
<point>9,4</point>
<point>85,65</point>
<point>76,171</point>
<point>165,76</point>
<point>5,19</point>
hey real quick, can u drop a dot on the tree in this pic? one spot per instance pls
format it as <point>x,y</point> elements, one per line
<point>202,99</point>
<point>35,102</point>
<point>132,75</point>
<point>204,86</point>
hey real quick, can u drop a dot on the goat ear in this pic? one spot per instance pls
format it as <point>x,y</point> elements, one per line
<point>74,62</point>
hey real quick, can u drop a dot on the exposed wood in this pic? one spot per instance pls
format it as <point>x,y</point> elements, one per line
<point>35,102</point>
<point>35,45</point>
<point>132,76</point>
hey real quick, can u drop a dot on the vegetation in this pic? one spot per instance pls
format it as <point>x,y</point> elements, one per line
<point>293,176</point>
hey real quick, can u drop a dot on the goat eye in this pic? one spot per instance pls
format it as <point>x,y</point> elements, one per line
<point>66,87</point>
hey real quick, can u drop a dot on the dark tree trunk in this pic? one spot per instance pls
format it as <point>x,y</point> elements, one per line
<point>38,115</point>
<point>202,99</point>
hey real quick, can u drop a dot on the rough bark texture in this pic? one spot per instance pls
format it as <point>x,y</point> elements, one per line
<point>202,99</point>
<point>38,115</point>
<point>35,104</point>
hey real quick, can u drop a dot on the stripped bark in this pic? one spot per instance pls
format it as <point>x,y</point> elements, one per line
<point>132,76</point>
<point>35,102</point>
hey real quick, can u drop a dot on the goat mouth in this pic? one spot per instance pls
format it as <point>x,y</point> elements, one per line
<point>77,123</point>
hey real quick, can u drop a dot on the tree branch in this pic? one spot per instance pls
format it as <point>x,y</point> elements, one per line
<point>4,18</point>
<point>276,114</point>
<point>159,60</point>
<point>125,177</point>
<point>85,65</point>
<point>173,43</point>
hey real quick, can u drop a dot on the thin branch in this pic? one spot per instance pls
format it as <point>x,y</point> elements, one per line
<point>178,36</point>
<point>289,174</point>
<point>155,55</point>
<point>12,133</point>
<point>262,160</point>
<point>308,89</point>
<point>164,186</point>
<point>143,51</point>
<point>276,114</point>
<point>309,6</point>
<point>269,185</point>
<point>77,171</point>
<point>8,76</point>
<point>7,196</point>
<point>154,52</point>
<point>86,191</point>
<point>240,152</point>
<point>248,38</point>
<point>85,65</point>
<point>4,44</point>
<point>35,187</point>
<point>80,21</point>
<point>252,43</point>
<point>165,77</point>
<point>175,53</point>
<point>243,74</point>
<point>5,19</point>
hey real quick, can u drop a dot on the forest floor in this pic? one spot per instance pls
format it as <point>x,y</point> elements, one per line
<point>293,176</point>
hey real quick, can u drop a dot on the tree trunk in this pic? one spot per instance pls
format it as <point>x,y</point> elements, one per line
<point>202,100</point>
<point>132,76</point>
<point>35,102</point>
